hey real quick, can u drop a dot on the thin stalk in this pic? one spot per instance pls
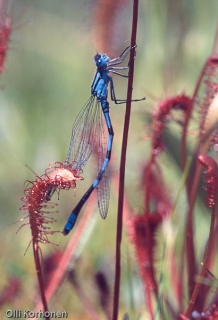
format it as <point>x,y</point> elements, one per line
<point>126,217</point>
<point>192,186</point>
<point>205,264</point>
<point>40,279</point>
<point>189,243</point>
<point>123,163</point>
<point>188,117</point>
<point>71,252</point>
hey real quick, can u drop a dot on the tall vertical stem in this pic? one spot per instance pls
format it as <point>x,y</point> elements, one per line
<point>39,275</point>
<point>123,163</point>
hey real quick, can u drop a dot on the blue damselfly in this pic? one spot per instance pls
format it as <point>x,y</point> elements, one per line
<point>88,133</point>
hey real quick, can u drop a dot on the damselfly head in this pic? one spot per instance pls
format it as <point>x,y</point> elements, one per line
<point>101,60</point>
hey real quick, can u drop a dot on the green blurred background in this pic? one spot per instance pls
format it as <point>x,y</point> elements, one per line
<point>49,70</point>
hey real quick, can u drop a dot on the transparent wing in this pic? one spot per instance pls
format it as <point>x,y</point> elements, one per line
<point>103,189</point>
<point>103,192</point>
<point>89,135</point>
<point>84,133</point>
<point>83,139</point>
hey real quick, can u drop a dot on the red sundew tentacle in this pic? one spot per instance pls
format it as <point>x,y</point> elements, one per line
<point>210,82</point>
<point>203,101</point>
<point>159,119</point>
<point>205,90</point>
<point>210,314</point>
<point>212,310</point>
<point>192,188</point>
<point>142,231</point>
<point>150,221</point>
<point>211,178</point>
<point>160,116</point>
<point>58,176</point>
<point>209,132</point>
<point>143,228</point>
<point>159,195</point>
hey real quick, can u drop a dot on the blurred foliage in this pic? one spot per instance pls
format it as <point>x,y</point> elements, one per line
<point>49,70</point>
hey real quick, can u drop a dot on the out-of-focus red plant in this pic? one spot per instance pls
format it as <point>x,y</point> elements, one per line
<point>11,291</point>
<point>142,230</point>
<point>5,32</point>
<point>58,177</point>
<point>104,292</point>
<point>200,109</point>
<point>107,19</point>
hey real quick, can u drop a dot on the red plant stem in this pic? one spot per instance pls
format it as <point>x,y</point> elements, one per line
<point>205,262</point>
<point>191,190</point>
<point>148,289</point>
<point>192,185</point>
<point>190,249</point>
<point>148,185</point>
<point>123,163</point>
<point>68,256</point>
<point>126,220</point>
<point>188,116</point>
<point>39,275</point>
